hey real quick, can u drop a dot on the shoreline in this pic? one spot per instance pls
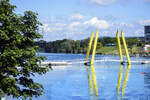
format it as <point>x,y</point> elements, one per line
<point>131,55</point>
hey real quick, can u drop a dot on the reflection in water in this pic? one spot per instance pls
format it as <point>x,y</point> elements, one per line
<point>119,79</point>
<point>147,78</point>
<point>124,81</point>
<point>89,79</point>
<point>94,80</point>
<point>147,83</point>
<point>92,84</point>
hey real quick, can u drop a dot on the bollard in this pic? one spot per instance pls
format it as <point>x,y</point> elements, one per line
<point>94,48</point>
<point>125,47</point>
<point>89,48</point>
<point>119,46</point>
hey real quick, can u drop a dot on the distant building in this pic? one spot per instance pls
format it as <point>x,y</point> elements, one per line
<point>147,33</point>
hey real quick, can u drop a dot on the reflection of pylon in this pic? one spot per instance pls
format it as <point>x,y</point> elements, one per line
<point>89,80</point>
<point>119,79</point>
<point>92,80</point>
<point>94,48</point>
<point>125,80</point>
<point>125,47</point>
<point>92,60</point>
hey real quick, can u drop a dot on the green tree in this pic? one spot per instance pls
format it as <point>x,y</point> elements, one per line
<point>99,45</point>
<point>18,60</point>
<point>132,41</point>
<point>107,40</point>
<point>134,50</point>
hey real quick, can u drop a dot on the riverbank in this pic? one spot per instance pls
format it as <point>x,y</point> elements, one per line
<point>133,51</point>
<point>105,45</point>
<point>113,50</point>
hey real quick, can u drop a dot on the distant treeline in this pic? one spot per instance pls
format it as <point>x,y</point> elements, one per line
<point>80,46</point>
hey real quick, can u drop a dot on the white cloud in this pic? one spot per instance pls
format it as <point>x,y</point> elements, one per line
<point>45,28</point>
<point>77,16</point>
<point>80,29</point>
<point>104,33</point>
<point>123,24</point>
<point>52,27</point>
<point>75,24</point>
<point>103,2</point>
<point>144,22</point>
<point>60,25</point>
<point>139,32</point>
<point>95,22</point>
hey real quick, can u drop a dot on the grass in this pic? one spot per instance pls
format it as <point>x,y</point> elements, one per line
<point>110,50</point>
<point>107,50</point>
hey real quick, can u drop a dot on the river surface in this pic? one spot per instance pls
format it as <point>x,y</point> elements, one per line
<point>105,80</point>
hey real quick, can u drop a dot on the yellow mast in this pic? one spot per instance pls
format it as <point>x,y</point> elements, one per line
<point>89,48</point>
<point>126,49</point>
<point>119,46</point>
<point>94,48</point>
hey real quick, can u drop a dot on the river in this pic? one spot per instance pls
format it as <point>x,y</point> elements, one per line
<point>113,81</point>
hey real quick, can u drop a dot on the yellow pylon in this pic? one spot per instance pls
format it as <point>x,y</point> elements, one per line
<point>91,62</point>
<point>94,48</point>
<point>125,47</point>
<point>119,46</point>
<point>89,48</point>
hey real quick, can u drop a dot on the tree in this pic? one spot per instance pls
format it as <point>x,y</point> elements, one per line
<point>132,41</point>
<point>18,60</point>
<point>99,45</point>
<point>134,50</point>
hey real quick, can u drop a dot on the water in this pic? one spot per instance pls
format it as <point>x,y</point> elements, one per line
<point>72,82</point>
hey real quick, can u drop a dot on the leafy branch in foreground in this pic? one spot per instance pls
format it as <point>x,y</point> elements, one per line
<point>18,60</point>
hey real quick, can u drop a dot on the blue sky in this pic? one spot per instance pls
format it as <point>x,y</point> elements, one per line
<point>75,19</point>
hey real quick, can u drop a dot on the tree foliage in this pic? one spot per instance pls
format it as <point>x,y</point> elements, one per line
<point>64,46</point>
<point>99,45</point>
<point>134,50</point>
<point>80,46</point>
<point>18,60</point>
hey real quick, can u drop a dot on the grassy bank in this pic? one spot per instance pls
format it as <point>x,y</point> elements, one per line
<point>107,50</point>
<point>114,50</point>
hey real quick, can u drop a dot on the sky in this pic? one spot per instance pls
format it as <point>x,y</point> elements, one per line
<point>76,19</point>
